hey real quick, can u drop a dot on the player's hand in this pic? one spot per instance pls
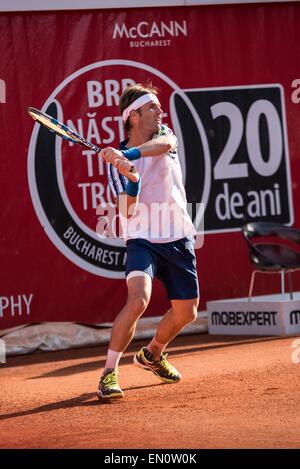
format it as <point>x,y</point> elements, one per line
<point>124,167</point>
<point>109,155</point>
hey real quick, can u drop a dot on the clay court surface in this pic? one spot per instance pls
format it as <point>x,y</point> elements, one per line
<point>236,392</point>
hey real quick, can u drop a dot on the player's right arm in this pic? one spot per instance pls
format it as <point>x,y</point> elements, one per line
<point>126,192</point>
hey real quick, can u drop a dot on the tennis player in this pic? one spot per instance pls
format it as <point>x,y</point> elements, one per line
<point>165,252</point>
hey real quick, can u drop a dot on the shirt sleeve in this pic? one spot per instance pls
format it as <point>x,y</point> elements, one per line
<point>116,181</point>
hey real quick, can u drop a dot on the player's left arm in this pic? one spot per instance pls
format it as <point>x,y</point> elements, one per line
<point>158,146</point>
<point>154,147</point>
<point>161,143</point>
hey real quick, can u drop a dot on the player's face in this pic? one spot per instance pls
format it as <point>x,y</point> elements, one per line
<point>150,117</point>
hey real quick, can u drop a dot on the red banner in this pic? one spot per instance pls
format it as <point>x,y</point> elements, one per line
<point>230,87</point>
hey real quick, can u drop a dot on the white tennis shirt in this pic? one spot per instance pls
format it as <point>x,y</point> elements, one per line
<point>161,215</point>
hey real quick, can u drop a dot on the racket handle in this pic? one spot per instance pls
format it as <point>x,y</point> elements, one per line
<point>134,172</point>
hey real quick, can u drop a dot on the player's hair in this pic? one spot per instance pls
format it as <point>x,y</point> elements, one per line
<point>132,93</point>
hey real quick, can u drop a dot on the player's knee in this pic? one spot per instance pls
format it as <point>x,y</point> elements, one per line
<point>138,304</point>
<point>191,315</point>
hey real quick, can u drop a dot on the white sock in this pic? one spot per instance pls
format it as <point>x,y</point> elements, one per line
<point>112,360</point>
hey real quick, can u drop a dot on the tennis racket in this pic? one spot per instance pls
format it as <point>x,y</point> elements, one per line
<point>62,130</point>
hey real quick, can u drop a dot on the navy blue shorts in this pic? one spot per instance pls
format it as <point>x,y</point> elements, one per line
<point>173,263</point>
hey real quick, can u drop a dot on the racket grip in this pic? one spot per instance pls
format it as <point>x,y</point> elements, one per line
<point>134,172</point>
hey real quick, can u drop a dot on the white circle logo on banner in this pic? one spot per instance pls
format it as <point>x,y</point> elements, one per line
<point>69,220</point>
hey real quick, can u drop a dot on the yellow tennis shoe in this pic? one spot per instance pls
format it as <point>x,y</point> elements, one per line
<point>161,368</point>
<point>109,386</point>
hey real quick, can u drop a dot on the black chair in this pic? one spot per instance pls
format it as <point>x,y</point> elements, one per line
<point>273,257</point>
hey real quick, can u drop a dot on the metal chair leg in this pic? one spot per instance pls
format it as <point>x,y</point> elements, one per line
<point>251,284</point>
<point>290,284</point>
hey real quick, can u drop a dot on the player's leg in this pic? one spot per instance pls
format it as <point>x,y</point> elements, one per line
<point>139,293</point>
<point>181,282</point>
<point>182,313</point>
<point>140,270</point>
